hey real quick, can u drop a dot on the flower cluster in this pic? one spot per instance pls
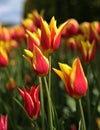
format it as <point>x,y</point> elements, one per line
<point>36,40</point>
<point>84,37</point>
<point>41,43</point>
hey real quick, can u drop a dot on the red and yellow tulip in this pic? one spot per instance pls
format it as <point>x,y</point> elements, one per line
<point>88,51</point>
<point>31,101</point>
<point>51,35</point>
<point>74,78</point>
<point>38,61</point>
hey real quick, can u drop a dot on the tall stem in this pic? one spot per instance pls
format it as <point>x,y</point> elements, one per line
<point>88,98</point>
<point>88,107</point>
<point>42,104</point>
<point>49,105</point>
<point>82,114</point>
<point>50,74</point>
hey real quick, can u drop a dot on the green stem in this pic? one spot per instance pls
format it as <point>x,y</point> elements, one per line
<point>35,126</point>
<point>88,97</point>
<point>82,114</point>
<point>88,108</point>
<point>49,105</point>
<point>94,76</point>
<point>50,74</point>
<point>42,104</point>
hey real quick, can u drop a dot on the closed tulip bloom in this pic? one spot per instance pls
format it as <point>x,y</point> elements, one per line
<point>88,51</point>
<point>3,122</point>
<point>72,43</point>
<point>31,101</point>
<point>3,57</point>
<point>74,78</point>
<point>38,61</point>
<point>72,28</point>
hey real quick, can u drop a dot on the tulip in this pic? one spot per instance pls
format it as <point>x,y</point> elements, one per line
<point>3,57</point>
<point>38,61</point>
<point>5,34</point>
<point>17,33</point>
<point>29,24</point>
<point>72,28</point>
<point>72,43</point>
<point>74,78</point>
<point>11,85</point>
<point>88,51</point>
<point>84,29</point>
<point>3,122</point>
<point>51,35</point>
<point>31,101</point>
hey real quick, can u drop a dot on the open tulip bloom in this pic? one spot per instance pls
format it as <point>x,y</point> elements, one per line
<point>74,78</point>
<point>31,101</point>
<point>88,51</point>
<point>51,35</point>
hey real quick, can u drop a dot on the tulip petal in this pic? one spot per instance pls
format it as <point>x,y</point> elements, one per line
<point>57,37</point>
<point>91,52</point>
<point>28,53</point>
<point>34,93</point>
<point>32,39</point>
<point>59,73</point>
<point>36,100</point>
<point>21,92</point>
<point>45,35</point>
<point>66,80</point>
<point>53,28</point>
<point>28,103</point>
<point>84,50</point>
<point>65,68</point>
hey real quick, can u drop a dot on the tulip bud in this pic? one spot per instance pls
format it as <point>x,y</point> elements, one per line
<point>71,28</point>
<point>11,85</point>
<point>28,78</point>
<point>72,43</point>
